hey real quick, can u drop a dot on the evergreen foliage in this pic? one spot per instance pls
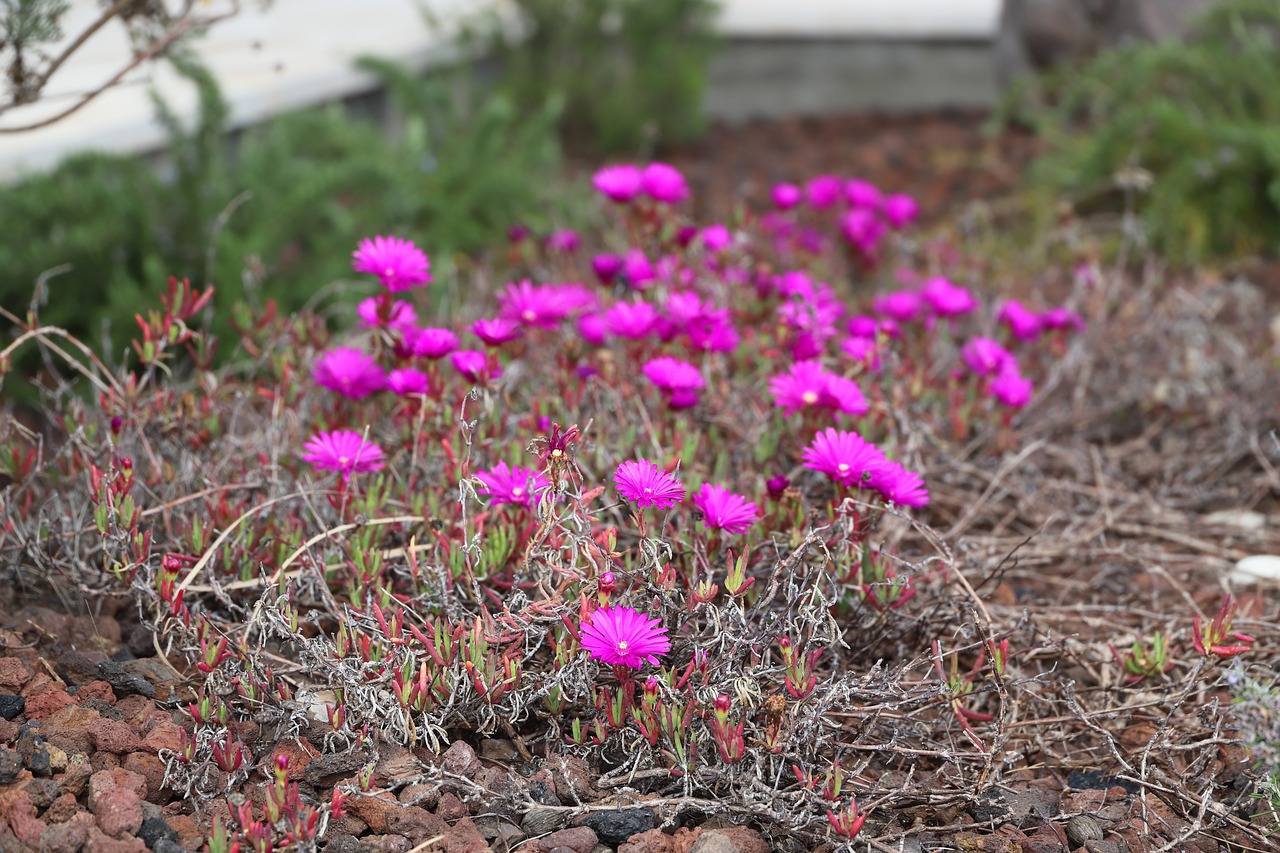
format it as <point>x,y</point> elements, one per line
<point>1185,134</point>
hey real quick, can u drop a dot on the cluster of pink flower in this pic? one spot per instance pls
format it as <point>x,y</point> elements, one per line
<point>865,215</point>
<point>645,484</point>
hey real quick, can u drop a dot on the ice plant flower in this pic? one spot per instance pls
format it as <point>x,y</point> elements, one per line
<point>1010,387</point>
<point>407,381</point>
<point>900,210</point>
<point>986,357</point>
<point>823,191</point>
<point>495,331</point>
<point>898,485</point>
<point>1023,323</point>
<point>786,196</point>
<point>619,636</point>
<point>1062,318</point>
<point>606,267</point>
<point>631,320</point>
<point>678,380</point>
<point>664,183</point>
<point>804,385</point>
<point>344,451</point>
<point>947,299</point>
<point>563,240</point>
<point>645,484</point>
<point>618,183</point>
<point>900,305</point>
<point>637,269</point>
<point>506,485</point>
<point>716,238</point>
<point>592,329</point>
<point>725,510</point>
<point>845,457</point>
<point>401,316</point>
<point>430,343</point>
<point>350,372</point>
<point>863,230</point>
<point>397,263</point>
<point>863,194</point>
<point>865,351</point>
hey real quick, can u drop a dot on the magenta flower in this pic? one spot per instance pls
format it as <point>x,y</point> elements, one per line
<point>495,331</point>
<point>899,305</point>
<point>1010,387</point>
<point>430,343</point>
<point>397,263</point>
<point>619,636</point>
<point>823,191</point>
<point>401,316</point>
<point>474,366</point>
<point>865,351</point>
<point>1062,318</point>
<point>845,457</point>
<point>862,326</point>
<point>947,299</point>
<point>664,183</point>
<point>716,238</point>
<point>900,210</point>
<point>606,267</point>
<point>863,230</point>
<point>898,485</point>
<point>1023,323</point>
<point>678,380</point>
<point>407,381</point>
<point>619,183</point>
<point>645,484</point>
<point>506,485</point>
<point>713,332</point>
<point>563,240</point>
<point>786,196</point>
<point>592,329</point>
<point>725,510</point>
<point>806,384</point>
<point>344,451</point>
<point>985,356</point>
<point>631,320</point>
<point>350,372</point>
<point>637,269</point>
<point>863,194</point>
<point>845,396</point>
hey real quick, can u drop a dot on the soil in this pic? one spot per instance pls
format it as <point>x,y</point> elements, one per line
<point>88,708</point>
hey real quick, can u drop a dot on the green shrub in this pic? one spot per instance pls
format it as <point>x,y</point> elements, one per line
<point>632,72</point>
<point>1186,135</point>
<point>268,213</point>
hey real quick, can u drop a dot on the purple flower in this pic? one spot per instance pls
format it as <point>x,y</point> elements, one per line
<point>863,194</point>
<point>397,263</point>
<point>619,636</point>
<point>507,485</point>
<point>1010,387</point>
<point>900,210</point>
<point>985,356</point>
<point>1062,318</point>
<point>563,240</point>
<point>947,299</point>
<point>344,451</point>
<point>845,396</point>
<point>807,384</point>
<point>350,372</point>
<point>776,486</point>
<point>673,375</point>
<point>606,267</point>
<point>474,366</point>
<point>900,305</point>
<point>725,510</point>
<point>898,485</point>
<point>716,238</point>
<point>592,329</point>
<point>637,269</point>
<point>1023,323</point>
<point>713,332</point>
<point>862,229</point>
<point>845,457</point>
<point>495,331</point>
<point>402,314</point>
<point>430,343</point>
<point>645,484</point>
<point>631,320</point>
<point>823,191</point>
<point>619,183</point>
<point>543,306</point>
<point>865,351</point>
<point>786,196</point>
<point>664,183</point>
<point>407,381</point>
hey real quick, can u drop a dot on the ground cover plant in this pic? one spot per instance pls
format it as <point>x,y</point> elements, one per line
<point>787,529</point>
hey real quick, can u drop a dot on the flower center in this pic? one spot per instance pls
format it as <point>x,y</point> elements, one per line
<point>648,490</point>
<point>529,315</point>
<point>809,398</point>
<point>343,460</point>
<point>622,645</point>
<point>517,491</point>
<point>842,467</point>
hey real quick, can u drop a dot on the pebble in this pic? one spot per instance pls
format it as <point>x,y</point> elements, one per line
<point>615,827</point>
<point>11,705</point>
<point>1083,828</point>
<point>1256,569</point>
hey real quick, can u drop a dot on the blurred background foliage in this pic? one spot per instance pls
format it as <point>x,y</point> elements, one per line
<point>273,212</point>
<point>1184,135</point>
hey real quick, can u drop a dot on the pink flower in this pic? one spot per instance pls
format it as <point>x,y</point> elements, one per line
<point>898,485</point>
<point>495,331</point>
<point>344,451</point>
<point>606,267</point>
<point>664,183</point>
<point>900,305</point>
<point>863,230</point>
<point>430,343</point>
<point>865,351</point>
<point>1062,318</point>
<point>1010,387</point>
<point>474,366</point>
<point>619,636</point>
<point>863,194</point>
<point>543,305</point>
<point>506,485</point>
<point>619,183</point>
<point>678,380</point>
<point>725,510</point>
<point>786,196</point>
<point>1023,323</point>
<point>563,240</point>
<point>407,381</point>
<point>350,372</point>
<point>397,263</point>
<point>592,329</point>
<point>716,238</point>
<point>900,210</point>
<point>645,484</point>
<point>985,356</point>
<point>947,299</point>
<point>845,457</point>
<point>402,314</point>
<point>631,320</point>
<point>637,269</point>
<point>713,332</point>
<point>823,191</point>
<point>806,384</point>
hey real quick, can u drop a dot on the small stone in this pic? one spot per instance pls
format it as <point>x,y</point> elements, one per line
<point>461,759</point>
<point>742,840</point>
<point>498,832</point>
<point>10,765</point>
<point>450,807</point>
<point>342,843</point>
<point>538,821</point>
<point>579,839</point>
<point>124,683</point>
<point>616,826</point>
<point>11,705</point>
<point>154,830</point>
<point>499,749</point>
<point>464,838</point>
<point>713,841</point>
<point>14,674</point>
<point>1081,829</point>
<point>1256,569</point>
<point>167,845</point>
<point>114,736</point>
<point>42,792</point>
<point>66,837</point>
